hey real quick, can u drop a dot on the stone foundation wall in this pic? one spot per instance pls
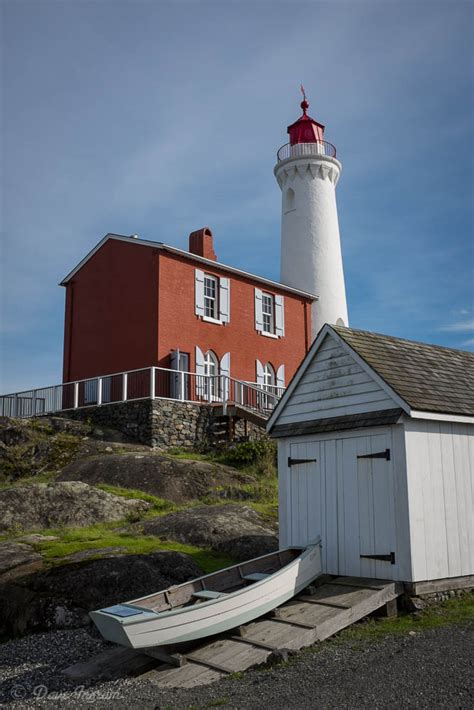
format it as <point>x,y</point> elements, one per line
<point>179,424</point>
<point>133,419</point>
<point>245,430</point>
<point>162,423</point>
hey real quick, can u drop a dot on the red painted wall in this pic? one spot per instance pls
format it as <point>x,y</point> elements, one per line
<point>130,305</point>
<point>181,328</point>
<point>111,306</point>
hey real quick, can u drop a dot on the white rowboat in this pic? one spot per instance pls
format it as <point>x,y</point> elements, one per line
<point>211,604</point>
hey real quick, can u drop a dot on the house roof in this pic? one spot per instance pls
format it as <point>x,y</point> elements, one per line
<point>424,380</point>
<point>187,255</point>
<point>429,378</point>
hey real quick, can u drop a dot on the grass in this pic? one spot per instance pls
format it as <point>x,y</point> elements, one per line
<point>45,477</point>
<point>179,452</point>
<point>159,506</point>
<point>72,540</point>
<point>453,611</point>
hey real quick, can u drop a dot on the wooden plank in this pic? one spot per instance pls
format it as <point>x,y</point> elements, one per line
<point>309,600</point>
<point>254,642</point>
<point>293,622</point>
<point>188,676</point>
<point>271,632</point>
<point>440,585</point>
<point>161,654</point>
<point>347,617</point>
<point>229,654</point>
<point>209,664</point>
<point>361,582</point>
<point>111,664</point>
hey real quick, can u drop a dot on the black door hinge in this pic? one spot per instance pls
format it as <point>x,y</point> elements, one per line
<point>294,462</point>
<point>383,558</point>
<point>380,455</point>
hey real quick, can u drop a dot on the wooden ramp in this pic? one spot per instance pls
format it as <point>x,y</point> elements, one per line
<point>317,613</point>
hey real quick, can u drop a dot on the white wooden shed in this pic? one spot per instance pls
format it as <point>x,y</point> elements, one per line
<point>376,454</point>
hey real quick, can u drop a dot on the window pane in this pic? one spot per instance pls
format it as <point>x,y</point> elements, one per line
<point>210,296</point>
<point>267,313</point>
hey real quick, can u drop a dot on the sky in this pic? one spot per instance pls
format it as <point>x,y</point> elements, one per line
<point>157,118</point>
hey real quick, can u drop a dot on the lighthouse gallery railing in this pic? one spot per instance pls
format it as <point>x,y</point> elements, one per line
<point>302,150</point>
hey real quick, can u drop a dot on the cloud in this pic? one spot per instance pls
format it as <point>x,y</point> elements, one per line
<point>469,342</point>
<point>466,326</point>
<point>173,133</point>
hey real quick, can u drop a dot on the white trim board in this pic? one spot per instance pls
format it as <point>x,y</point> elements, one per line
<point>440,417</point>
<point>187,255</point>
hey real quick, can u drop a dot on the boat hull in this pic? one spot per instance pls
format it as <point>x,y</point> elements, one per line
<point>145,629</point>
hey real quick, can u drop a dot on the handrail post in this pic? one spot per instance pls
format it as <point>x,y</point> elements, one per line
<point>15,406</point>
<point>152,383</point>
<point>209,388</point>
<point>181,386</point>
<point>99,391</point>
<point>124,386</point>
<point>76,395</point>
<point>33,403</point>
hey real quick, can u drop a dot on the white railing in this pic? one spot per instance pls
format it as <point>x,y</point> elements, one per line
<point>302,150</point>
<point>146,383</point>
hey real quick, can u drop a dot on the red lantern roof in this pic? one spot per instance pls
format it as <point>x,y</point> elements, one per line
<point>305,129</point>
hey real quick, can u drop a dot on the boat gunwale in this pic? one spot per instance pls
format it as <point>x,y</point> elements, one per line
<point>127,621</point>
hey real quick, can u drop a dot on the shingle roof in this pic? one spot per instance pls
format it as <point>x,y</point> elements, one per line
<point>429,378</point>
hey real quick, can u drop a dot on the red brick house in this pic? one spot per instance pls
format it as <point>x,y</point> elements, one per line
<point>133,303</point>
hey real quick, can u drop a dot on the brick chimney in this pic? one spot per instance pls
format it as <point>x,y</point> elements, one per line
<point>200,243</point>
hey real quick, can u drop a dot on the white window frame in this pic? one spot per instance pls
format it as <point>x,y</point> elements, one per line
<point>211,302</point>
<point>211,372</point>
<point>269,377</point>
<point>268,314</point>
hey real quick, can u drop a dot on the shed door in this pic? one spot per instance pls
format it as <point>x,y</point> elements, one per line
<point>304,493</point>
<point>367,527</point>
<point>338,489</point>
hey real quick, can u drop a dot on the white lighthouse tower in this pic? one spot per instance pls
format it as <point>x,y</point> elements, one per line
<point>307,172</point>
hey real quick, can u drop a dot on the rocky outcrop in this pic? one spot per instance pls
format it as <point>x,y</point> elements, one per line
<point>62,596</point>
<point>17,559</point>
<point>62,504</point>
<point>178,480</point>
<point>235,529</point>
<point>32,446</point>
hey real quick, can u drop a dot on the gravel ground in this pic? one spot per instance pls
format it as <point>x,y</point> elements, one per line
<point>430,669</point>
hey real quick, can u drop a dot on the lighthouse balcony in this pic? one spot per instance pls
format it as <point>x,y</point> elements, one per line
<point>303,150</point>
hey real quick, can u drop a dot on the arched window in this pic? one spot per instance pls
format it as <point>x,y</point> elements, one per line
<point>269,379</point>
<point>289,199</point>
<point>211,369</point>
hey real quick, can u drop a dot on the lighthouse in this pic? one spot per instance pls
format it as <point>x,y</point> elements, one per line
<point>307,172</point>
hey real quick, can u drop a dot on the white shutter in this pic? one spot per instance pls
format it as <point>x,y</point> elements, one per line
<point>279,316</point>
<point>280,378</point>
<point>225,372</point>
<point>258,311</point>
<point>224,300</point>
<point>260,373</point>
<point>200,388</point>
<point>199,292</point>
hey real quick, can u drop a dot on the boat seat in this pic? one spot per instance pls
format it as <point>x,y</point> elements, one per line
<point>255,576</point>
<point>208,594</point>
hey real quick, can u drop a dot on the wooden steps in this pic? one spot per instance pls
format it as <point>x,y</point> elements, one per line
<point>322,610</point>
